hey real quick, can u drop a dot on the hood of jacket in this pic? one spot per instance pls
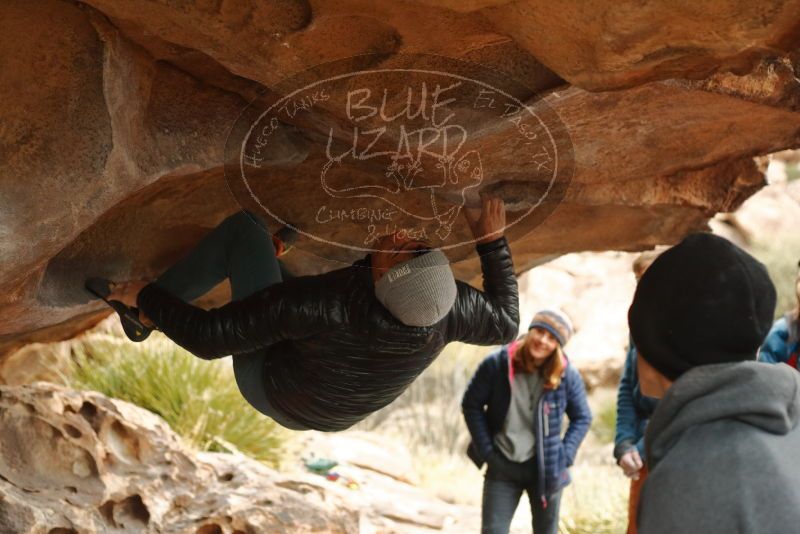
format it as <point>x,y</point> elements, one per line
<point>762,395</point>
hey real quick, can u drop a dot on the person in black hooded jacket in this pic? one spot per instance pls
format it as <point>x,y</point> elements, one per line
<point>720,445</point>
<point>323,352</point>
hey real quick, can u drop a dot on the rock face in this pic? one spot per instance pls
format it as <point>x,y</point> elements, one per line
<point>117,117</point>
<point>79,462</point>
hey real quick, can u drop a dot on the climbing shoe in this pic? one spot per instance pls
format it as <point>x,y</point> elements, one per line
<point>128,316</point>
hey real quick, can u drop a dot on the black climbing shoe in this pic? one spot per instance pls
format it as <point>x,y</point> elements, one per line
<point>129,317</point>
<point>284,239</point>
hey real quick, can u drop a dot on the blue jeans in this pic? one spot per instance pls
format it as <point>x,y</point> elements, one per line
<point>503,486</point>
<point>240,248</point>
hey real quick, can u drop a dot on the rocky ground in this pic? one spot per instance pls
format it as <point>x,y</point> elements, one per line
<point>79,462</point>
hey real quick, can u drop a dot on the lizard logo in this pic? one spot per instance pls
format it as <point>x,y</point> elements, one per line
<point>357,149</point>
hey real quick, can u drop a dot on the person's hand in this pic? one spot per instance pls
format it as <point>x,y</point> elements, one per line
<point>631,463</point>
<point>491,223</point>
<point>498,464</point>
<point>495,460</point>
<point>127,292</point>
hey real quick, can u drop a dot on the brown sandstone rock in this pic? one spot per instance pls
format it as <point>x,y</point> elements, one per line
<point>610,44</point>
<point>115,117</point>
<point>613,44</point>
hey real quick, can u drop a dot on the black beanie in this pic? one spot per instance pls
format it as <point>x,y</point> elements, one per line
<point>701,302</point>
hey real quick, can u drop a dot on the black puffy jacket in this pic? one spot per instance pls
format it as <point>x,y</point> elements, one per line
<point>335,353</point>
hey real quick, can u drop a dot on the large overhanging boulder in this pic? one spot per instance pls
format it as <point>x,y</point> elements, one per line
<point>116,116</point>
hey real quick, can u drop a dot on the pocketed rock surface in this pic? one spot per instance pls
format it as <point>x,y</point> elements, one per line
<point>82,462</point>
<point>79,462</point>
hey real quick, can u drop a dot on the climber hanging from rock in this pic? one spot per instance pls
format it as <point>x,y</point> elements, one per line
<point>323,352</point>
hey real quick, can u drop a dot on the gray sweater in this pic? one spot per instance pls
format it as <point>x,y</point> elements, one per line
<point>722,449</point>
<point>517,440</point>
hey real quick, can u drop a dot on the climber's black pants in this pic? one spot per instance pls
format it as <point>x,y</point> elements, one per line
<point>240,249</point>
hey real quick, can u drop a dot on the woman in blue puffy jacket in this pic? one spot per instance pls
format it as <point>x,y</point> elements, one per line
<point>514,407</point>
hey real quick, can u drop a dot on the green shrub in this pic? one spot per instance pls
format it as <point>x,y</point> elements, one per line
<point>596,502</point>
<point>780,255</point>
<point>198,399</point>
<point>604,424</point>
<point>792,171</point>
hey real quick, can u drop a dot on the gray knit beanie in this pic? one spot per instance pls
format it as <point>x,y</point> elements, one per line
<point>419,291</point>
<point>556,322</point>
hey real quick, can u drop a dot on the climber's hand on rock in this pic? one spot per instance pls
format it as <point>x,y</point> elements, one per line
<point>491,223</point>
<point>126,292</point>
